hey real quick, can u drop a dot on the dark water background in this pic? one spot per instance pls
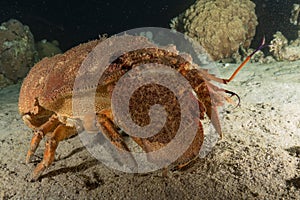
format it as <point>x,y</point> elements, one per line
<point>73,22</point>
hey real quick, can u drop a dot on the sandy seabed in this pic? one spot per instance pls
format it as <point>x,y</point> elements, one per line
<point>258,157</point>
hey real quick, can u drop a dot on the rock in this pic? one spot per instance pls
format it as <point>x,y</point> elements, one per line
<point>17,51</point>
<point>4,81</point>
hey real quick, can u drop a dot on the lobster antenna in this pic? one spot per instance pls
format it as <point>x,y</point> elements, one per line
<point>262,45</point>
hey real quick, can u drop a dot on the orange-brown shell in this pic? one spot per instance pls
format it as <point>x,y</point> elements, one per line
<point>51,80</point>
<point>49,84</point>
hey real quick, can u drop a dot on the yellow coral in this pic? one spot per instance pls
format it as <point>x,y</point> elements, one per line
<point>220,26</point>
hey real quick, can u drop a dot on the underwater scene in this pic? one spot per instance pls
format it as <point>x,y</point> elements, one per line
<point>195,99</point>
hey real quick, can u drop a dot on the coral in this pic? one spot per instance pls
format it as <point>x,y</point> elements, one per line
<point>282,49</point>
<point>47,49</point>
<point>277,44</point>
<point>17,51</point>
<point>220,26</point>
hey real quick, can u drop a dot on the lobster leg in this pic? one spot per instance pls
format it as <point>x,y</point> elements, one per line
<point>60,133</point>
<point>212,109</point>
<point>121,150</point>
<point>38,135</point>
<point>193,151</point>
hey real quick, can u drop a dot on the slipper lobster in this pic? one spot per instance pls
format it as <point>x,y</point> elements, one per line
<point>45,101</point>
